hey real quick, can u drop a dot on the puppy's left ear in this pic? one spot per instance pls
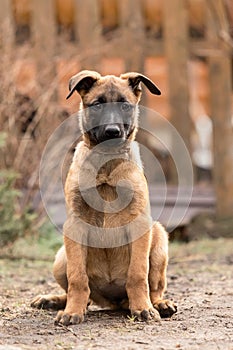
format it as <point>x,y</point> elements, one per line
<point>135,80</point>
<point>83,82</point>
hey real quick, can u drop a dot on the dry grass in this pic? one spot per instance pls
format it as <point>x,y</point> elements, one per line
<point>26,124</point>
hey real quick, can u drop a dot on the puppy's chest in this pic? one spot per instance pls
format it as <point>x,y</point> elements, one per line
<point>117,196</point>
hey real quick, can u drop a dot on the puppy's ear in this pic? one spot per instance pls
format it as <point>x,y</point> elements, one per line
<point>135,80</point>
<point>82,82</point>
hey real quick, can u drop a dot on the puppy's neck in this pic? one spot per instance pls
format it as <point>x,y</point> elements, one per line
<point>123,149</point>
<point>130,152</point>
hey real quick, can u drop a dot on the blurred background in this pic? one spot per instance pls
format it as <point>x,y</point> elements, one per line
<point>184,46</point>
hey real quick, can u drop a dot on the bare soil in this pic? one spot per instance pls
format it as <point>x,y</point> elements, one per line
<point>200,280</point>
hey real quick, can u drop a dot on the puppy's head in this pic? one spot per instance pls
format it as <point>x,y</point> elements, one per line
<point>109,105</point>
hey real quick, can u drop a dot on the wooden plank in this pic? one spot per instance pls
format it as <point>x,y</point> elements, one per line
<point>220,71</point>
<point>88,33</point>
<point>171,195</point>
<point>176,207</point>
<point>176,51</point>
<point>44,39</point>
<point>132,36</point>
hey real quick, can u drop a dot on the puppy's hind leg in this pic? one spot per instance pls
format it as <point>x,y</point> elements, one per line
<point>50,301</point>
<point>158,271</point>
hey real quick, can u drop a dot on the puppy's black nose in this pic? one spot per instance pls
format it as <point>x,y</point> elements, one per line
<point>112,132</point>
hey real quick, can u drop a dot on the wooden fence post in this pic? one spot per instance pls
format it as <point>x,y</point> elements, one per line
<point>176,51</point>
<point>44,38</point>
<point>221,108</point>
<point>6,25</point>
<point>132,34</point>
<point>88,33</point>
<point>7,38</point>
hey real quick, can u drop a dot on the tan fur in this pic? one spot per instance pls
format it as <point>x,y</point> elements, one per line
<point>132,275</point>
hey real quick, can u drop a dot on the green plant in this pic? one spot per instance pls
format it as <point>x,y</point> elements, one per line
<point>15,221</point>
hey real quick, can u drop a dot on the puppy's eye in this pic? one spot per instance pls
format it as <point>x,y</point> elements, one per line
<point>97,106</point>
<point>126,107</point>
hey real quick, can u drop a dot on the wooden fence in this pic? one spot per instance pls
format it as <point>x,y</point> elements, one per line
<point>131,41</point>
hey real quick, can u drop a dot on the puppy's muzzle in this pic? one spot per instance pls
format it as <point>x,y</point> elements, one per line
<point>111,132</point>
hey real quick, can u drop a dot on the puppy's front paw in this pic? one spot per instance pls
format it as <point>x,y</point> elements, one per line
<point>166,308</point>
<point>66,318</point>
<point>146,314</point>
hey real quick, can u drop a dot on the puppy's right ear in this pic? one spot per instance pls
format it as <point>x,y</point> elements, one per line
<point>82,82</point>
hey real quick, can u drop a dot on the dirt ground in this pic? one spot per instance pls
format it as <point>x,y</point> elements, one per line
<point>200,280</point>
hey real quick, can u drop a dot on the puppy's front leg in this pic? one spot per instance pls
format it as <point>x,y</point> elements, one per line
<point>78,289</point>
<point>137,285</point>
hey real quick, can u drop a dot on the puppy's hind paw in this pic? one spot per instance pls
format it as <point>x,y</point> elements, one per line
<point>166,308</point>
<point>53,302</point>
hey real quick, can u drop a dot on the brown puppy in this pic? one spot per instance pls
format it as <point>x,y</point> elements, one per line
<point>113,253</point>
